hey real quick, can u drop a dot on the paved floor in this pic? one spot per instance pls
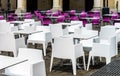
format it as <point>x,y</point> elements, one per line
<point>66,70</point>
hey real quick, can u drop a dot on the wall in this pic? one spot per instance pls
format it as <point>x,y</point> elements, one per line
<point>77,4</point>
<point>12,2</point>
<point>44,4</point>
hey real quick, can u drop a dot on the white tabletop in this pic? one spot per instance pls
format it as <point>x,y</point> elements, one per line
<point>68,24</point>
<point>6,61</point>
<point>87,34</point>
<point>19,22</point>
<point>25,32</point>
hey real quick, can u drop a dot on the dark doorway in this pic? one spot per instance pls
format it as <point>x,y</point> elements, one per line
<point>89,5</point>
<point>31,5</point>
<point>66,5</point>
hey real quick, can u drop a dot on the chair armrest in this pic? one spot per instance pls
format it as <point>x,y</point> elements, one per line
<point>79,48</point>
<point>20,42</point>
<point>96,40</point>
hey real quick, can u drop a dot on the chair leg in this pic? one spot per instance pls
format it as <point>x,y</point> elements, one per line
<point>15,53</point>
<point>108,60</point>
<point>100,59</point>
<point>88,62</point>
<point>51,63</point>
<point>93,62</point>
<point>84,62</point>
<point>44,49</point>
<point>74,66</point>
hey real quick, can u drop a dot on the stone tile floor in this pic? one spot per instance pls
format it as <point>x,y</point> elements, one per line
<point>66,70</point>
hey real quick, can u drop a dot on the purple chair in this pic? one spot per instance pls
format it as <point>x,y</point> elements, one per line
<point>96,21</point>
<point>46,21</point>
<point>40,17</point>
<point>48,12</point>
<point>106,19</point>
<point>85,21</point>
<point>72,12</point>
<point>28,16</point>
<point>36,13</point>
<point>11,18</point>
<point>74,18</point>
<point>55,13</point>
<point>114,16</point>
<point>67,17</point>
<point>90,14</point>
<point>1,17</point>
<point>118,14</point>
<point>28,13</point>
<point>61,19</point>
<point>83,15</point>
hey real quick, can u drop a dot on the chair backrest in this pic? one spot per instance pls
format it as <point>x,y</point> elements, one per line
<point>88,26</point>
<point>43,28</point>
<point>67,45</point>
<point>117,25</point>
<point>29,28</point>
<point>5,27</point>
<point>61,19</point>
<point>69,48</point>
<point>107,32</point>
<point>77,25</point>
<point>31,54</point>
<point>57,30</point>
<point>80,23</point>
<point>7,42</point>
<point>37,23</point>
<point>22,26</point>
<point>37,36</point>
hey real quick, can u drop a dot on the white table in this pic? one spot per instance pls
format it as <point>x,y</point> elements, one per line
<point>6,61</point>
<point>25,32</point>
<point>68,24</point>
<point>18,22</point>
<point>86,34</point>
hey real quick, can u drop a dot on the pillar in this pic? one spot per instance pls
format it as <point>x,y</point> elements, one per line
<point>56,5</point>
<point>21,4</point>
<point>118,4</point>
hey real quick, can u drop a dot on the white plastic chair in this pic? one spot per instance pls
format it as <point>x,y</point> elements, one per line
<point>5,27</point>
<point>40,38</point>
<point>29,20</point>
<point>57,30</point>
<point>103,49</point>
<point>43,28</point>
<point>78,25</point>
<point>35,66</point>
<point>117,25</point>
<point>107,32</point>
<point>37,23</point>
<point>88,26</point>
<point>9,43</point>
<point>3,21</point>
<point>64,48</point>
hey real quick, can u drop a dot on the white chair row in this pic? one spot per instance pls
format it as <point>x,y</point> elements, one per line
<point>35,66</point>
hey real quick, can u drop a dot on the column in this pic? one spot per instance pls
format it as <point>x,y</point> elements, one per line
<point>56,5</point>
<point>117,2</point>
<point>21,4</point>
<point>97,4</point>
